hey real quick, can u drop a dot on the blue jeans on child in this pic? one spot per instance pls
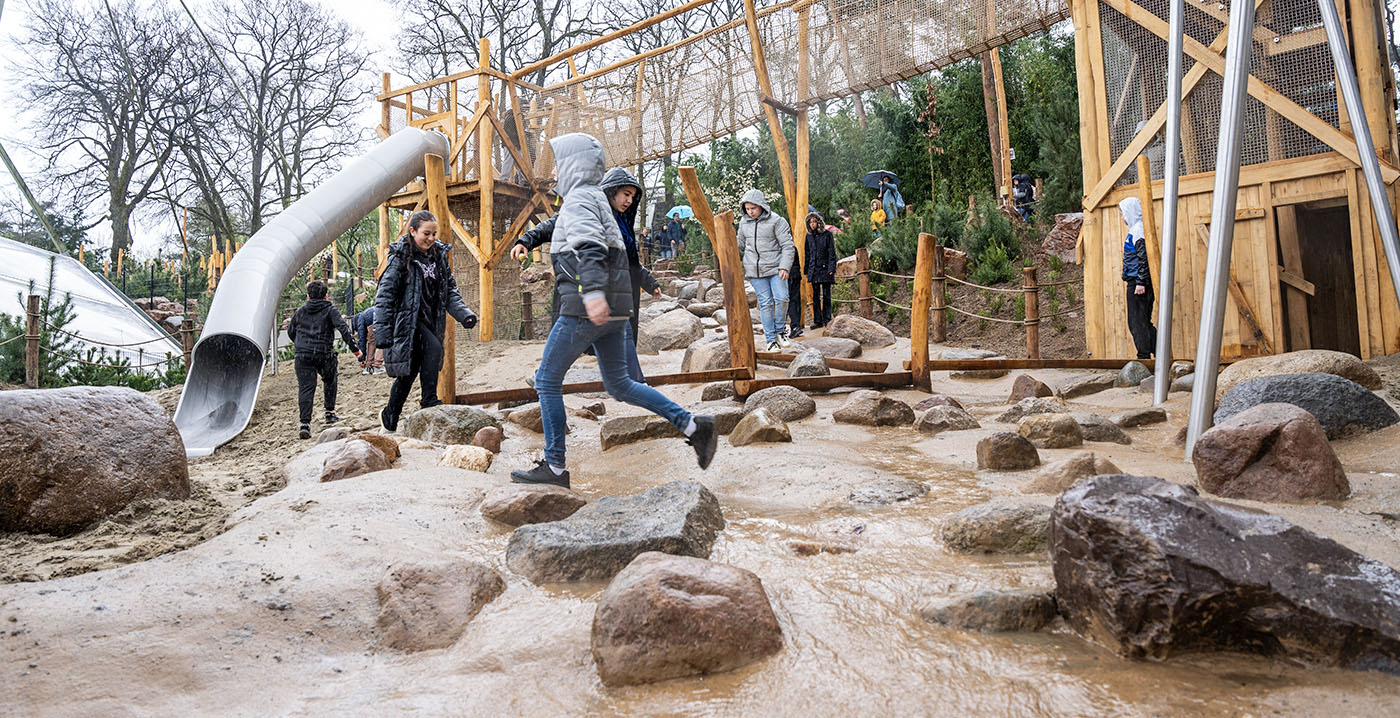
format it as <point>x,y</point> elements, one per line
<point>772,304</point>
<point>611,343</point>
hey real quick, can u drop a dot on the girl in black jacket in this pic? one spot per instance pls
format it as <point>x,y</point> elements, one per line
<point>821,268</point>
<point>416,293</point>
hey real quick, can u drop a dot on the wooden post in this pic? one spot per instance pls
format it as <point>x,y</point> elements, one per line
<point>1032,313</point>
<point>1151,236</point>
<point>384,108</point>
<point>938,298</point>
<point>486,181</point>
<point>435,186</point>
<point>766,87</point>
<point>867,308</point>
<point>919,316</point>
<point>527,314</point>
<point>187,339</point>
<point>799,209</point>
<point>736,301</point>
<point>31,342</point>
<point>1003,125</point>
<point>381,252</point>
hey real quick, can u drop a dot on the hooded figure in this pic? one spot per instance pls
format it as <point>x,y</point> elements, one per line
<point>768,253</point>
<point>821,267</point>
<point>587,248</point>
<point>400,306</point>
<point>1138,276</point>
<point>642,281</point>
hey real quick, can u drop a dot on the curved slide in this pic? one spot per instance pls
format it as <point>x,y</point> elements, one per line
<point>226,366</point>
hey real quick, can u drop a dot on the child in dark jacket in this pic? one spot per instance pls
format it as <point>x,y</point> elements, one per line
<point>312,331</point>
<point>1138,276</point>
<point>821,268</point>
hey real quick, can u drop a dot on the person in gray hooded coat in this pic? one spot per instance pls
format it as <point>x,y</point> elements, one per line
<point>593,281</point>
<point>768,256</point>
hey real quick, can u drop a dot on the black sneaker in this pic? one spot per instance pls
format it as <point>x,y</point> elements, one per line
<point>541,474</point>
<point>390,422</point>
<point>305,432</point>
<point>703,440</point>
<point>795,333</point>
<point>430,403</point>
<point>331,418</point>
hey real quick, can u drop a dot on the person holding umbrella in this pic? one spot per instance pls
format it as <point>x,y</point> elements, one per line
<point>887,184</point>
<point>673,236</point>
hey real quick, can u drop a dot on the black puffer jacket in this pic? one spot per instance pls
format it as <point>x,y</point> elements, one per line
<point>397,302</point>
<point>821,253</point>
<point>313,327</point>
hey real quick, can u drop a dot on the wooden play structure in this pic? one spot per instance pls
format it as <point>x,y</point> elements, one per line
<point>1308,269</point>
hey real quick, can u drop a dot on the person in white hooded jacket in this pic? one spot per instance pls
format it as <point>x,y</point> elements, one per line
<point>1137,274</point>
<point>768,255</point>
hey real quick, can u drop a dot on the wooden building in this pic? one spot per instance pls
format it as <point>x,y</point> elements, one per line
<point>1307,269</point>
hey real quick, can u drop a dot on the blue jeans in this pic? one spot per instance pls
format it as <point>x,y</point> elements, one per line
<point>772,304</point>
<point>612,343</point>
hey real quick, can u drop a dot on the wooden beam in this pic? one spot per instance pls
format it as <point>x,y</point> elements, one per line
<point>1003,124</point>
<point>1297,282</point>
<point>919,309</point>
<point>435,175</point>
<point>1242,304</point>
<point>778,105</point>
<point>736,302</point>
<point>802,181</point>
<point>528,393</point>
<point>857,365</point>
<point>765,88</point>
<point>609,37</point>
<point>835,381</point>
<point>971,364</point>
<point>694,194</point>
<point>486,178</point>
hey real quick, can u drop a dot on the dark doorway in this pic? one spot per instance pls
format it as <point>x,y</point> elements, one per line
<point>1323,235</point>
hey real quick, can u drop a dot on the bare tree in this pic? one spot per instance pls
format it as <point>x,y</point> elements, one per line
<point>521,32</point>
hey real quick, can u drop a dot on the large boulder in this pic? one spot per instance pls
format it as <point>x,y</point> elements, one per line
<point>1132,374</point>
<point>352,457</point>
<point>1027,387</point>
<point>70,457</point>
<point>705,354</point>
<point>936,400</point>
<point>620,430</point>
<point>992,611</point>
<point>385,444</point>
<point>1139,417</point>
<point>937,419</point>
<point>1051,431</point>
<point>1062,474</point>
<point>702,309</point>
<point>868,333</point>
<point>517,504</point>
<point>1006,451</point>
<point>1306,361</point>
<point>1098,428</point>
<point>1270,452</point>
<point>656,309</point>
<point>759,426</point>
<point>1150,568</point>
<point>785,403</point>
<point>447,424</point>
<point>808,363</point>
<point>528,417</point>
<point>831,347</point>
<point>972,354</point>
<point>1033,405</point>
<point>1064,236</point>
<point>427,605</point>
<point>998,526</point>
<point>871,408</point>
<point>1085,385</point>
<point>675,329</point>
<point>671,616</point>
<point>1341,405</point>
<point>598,540</point>
<point>717,390</point>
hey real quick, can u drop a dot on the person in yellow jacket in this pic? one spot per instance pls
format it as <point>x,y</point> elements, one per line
<point>877,216</point>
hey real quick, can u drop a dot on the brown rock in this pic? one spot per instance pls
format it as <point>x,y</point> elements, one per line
<point>386,445</point>
<point>1098,428</point>
<point>1063,238</point>
<point>868,333</point>
<point>1027,386</point>
<point>1034,405</point>
<point>1062,474</point>
<point>937,400</point>
<point>871,408</point>
<point>1270,452</point>
<point>1051,431</point>
<point>621,430</point>
<point>785,403</point>
<point>353,458</point>
<point>427,605</point>
<point>831,347</point>
<point>717,391</point>
<point>669,616</point>
<point>467,457</point>
<point>1006,451</point>
<point>489,438</point>
<point>993,611</point>
<point>517,505</point>
<point>334,433</point>
<point>596,408</point>
<point>955,263</point>
<point>1307,361</point>
<point>706,353</point>
<point>759,426</point>
<point>945,418</point>
<point>1139,417</point>
<point>69,457</point>
<point>999,526</point>
<point>527,416</point>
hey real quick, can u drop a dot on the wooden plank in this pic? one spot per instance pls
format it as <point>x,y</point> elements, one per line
<point>835,381</point>
<point>972,364</point>
<point>1272,268</point>
<point>1243,307</point>
<point>1320,174</point>
<point>1358,268</point>
<point>919,309</point>
<point>1373,269</point>
<point>1099,84</point>
<point>858,365</point>
<point>528,393</point>
<point>1368,49</point>
<point>1297,282</point>
<point>1299,331</point>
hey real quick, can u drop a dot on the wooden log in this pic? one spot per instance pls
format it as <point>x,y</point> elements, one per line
<point>609,37</point>
<point>435,179</point>
<point>736,301</point>
<point>919,310</point>
<point>187,339</point>
<point>804,166</point>
<point>486,179</point>
<point>970,364</point>
<point>31,341</point>
<point>867,307</point>
<point>821,383</point>
<point>1032,295</point>
<point>865,366</point>
<point>527,316</point>
<point>938,298</point>
<point>528,393</point>
<point>765,88</point>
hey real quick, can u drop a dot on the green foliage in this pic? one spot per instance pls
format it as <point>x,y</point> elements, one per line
<point>995,265</point>
<point>988,226</point>
<point>857,235</point>
<point>1019,310</point>
<point>685,264</point>
<point>892,313</point>
<point>1057,265</point>
<point>898,247</point>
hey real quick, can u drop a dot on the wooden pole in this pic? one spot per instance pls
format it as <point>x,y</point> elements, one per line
<point>938,298</point>
<point>486,181</point>
<point>799,211</point>
<point>527,313</point>
<point>187,339</point>
<point>435,187</point>
<point>775,126</point>
<point>1032,294</point>
<point>1149,217</point>
<point>31,342</point>
<point>919,315</point>
<point>867,308</point>
<point>1003,126</point>
<point>381,252</point>
<point>736,301</point>
<point>384,108</point>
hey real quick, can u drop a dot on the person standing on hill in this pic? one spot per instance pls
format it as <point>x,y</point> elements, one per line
<point>877,216</point>
<point>416,293</point>
<point>765,239</point>
<point>312,331</point>
<point>1138,277</point>
<point>821,267</point>
<point>891,201</point>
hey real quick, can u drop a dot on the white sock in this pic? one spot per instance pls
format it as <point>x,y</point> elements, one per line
<point>689,428</point>
<point>558,471</point>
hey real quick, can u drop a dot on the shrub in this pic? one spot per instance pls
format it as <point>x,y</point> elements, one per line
<point>856,235</point>
<point>988,225</point>
<point>898,248</point>
<point>994,267</point>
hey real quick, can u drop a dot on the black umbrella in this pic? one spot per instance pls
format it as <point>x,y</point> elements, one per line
<point>872,178</point>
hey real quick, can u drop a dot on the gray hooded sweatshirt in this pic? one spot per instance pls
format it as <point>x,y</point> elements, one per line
<point>589,256</point>
<point>766,242</point>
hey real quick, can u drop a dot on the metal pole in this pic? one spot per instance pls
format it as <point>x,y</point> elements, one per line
<point>1222,218</point>
<point>1167,275</point>
<point>1370,166</point>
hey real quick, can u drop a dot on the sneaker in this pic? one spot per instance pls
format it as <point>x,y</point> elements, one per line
<point>390,422</point>
<point>430,403</point>
<point>331,418</point>
<point>703,440</point>
<point>542,474</point>
<point>366,370</point>
<point>783,339</point>
<point>795,333</point>
<point>305,432</point>
<point>773,347</point>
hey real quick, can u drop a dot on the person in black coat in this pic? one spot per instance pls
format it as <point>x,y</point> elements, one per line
<point>821,267</point>
<point>312,331</point>
<point>416,293</point>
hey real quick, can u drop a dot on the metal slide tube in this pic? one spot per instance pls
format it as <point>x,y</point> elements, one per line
<point>1222,218</point>
<point>226,364</point>
<point>1370,166</point>
<point>1166,278</point>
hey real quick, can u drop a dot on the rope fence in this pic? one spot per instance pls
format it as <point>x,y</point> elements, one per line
<point>69,357</point>
<point>36,323</point>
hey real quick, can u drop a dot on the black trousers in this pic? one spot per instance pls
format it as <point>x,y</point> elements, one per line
<point>794,301</point>
<point>821,303</point>
<point>308,367</point>
<point>1140,322</point>
<point>426,362</point>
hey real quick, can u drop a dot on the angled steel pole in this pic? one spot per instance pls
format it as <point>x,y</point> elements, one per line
<point>1167,276</point>
<point>1365,147</point>
<point>1222,218</point>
